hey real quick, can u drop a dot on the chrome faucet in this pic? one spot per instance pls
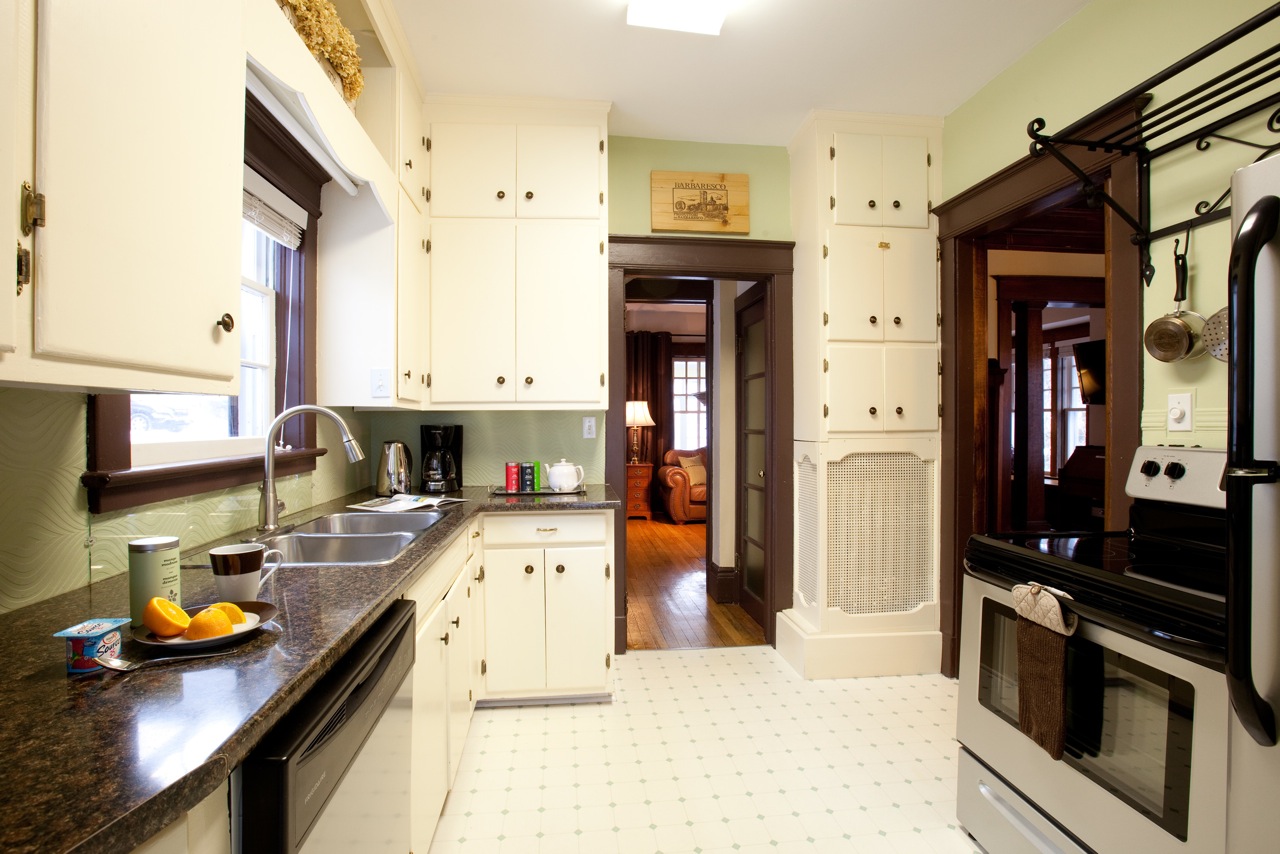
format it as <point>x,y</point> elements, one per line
<point>269,506</point>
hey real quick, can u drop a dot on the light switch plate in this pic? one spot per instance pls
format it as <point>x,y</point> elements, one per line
<point>380,382</point>
<point>1179,412</point>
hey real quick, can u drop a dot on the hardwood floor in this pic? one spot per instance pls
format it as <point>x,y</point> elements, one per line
<point>667,602</point>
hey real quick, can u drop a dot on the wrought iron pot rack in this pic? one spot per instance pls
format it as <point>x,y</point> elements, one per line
<point>1194,116</point>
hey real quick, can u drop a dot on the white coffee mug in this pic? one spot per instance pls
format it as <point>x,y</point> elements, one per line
<point>238,570</point>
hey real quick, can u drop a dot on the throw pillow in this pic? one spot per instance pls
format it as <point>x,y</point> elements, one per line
<point>695,469</point>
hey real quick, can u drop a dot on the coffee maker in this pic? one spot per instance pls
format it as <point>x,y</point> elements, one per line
<point>441,458</point>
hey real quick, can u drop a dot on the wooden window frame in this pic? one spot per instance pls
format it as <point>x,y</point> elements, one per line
<point>113,483</point>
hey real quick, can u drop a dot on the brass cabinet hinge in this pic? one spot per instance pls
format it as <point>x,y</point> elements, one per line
<point>602,198</point>
<point>833,202</point>
<point>428,379</point>
<point>826,411</point>
<point>484,667</point>
<point>601,247</point>
<point>939,369</point>
<point>833,153</point>
<point>608,661</point>
<point>426,143</point>
<point>939,318</point>
<point>825,252</point>
<point>928,159</point>
<point>826,366</point>
<point>24,268</point>
<point>426,194</point>
<point>606,570</point>
<point>939,410</point>
<point>33,209</point>
<point>469,696</point>
<point>602,380</point>
<point>602,146</point>
<point>426,246</point>
<point>825,318</point>
<point>480,575</point>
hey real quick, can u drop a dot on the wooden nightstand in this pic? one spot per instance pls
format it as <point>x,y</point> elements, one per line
<point>639,485</point>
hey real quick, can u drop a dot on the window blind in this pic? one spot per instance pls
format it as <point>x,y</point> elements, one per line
<point>275,224</point>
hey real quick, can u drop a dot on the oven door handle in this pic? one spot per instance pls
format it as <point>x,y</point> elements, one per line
<point>1256,230</point>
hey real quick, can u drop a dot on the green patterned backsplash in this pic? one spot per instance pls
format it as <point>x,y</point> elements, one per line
<point>50,543</point>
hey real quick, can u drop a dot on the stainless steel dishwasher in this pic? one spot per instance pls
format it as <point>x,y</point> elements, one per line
<point>333,774</point>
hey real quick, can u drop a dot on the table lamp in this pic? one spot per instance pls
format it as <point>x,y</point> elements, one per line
<point>637,417</point>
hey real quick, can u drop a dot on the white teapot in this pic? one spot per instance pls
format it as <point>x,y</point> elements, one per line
<point>564,476</point>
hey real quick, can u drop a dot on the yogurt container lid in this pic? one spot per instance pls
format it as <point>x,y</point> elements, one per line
<point>92,628</point>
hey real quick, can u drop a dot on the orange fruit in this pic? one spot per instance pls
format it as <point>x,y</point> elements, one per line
<point>232,610</point>
<point>164,618</point>
<point>209,623</point>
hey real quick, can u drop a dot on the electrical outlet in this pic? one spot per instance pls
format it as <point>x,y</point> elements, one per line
<point>1180,406</point>
<point>588,426</point>
<point>380,382</point>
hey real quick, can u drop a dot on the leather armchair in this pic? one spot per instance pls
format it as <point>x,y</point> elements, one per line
<point>685,501</point>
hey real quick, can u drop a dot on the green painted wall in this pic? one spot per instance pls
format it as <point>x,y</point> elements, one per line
<point>631,159</point>
<point>1106,49</point>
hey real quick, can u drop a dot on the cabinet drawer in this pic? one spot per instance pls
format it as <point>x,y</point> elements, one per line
<point>637,483</point>
<point>544,528</point>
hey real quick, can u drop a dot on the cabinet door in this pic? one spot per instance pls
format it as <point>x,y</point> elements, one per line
<point>412,302</point>
<point>475,572</point>
<point>560,289</point>
<point>910,285</point>
<point>140,256</point>
<point>576,643</point>
<point>905,164</point>
<point>855,284</point>
<point>855,389</point>
<point>857,189</point>
<point>459,631</point>
<point>558,171</point>
<point>515,628</point>
<point>429,743</point>
<point>473,170</point>
<point>10,174</point>
<point>911,388</point>
<point>473,311</point>
<point>414,166</point>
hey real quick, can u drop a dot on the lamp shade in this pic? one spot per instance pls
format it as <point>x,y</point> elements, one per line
<point>638,414</point>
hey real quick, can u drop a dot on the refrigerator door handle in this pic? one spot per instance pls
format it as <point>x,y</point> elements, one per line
<point>1257,229</point>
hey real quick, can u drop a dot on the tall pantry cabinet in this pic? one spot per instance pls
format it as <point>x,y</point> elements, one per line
<point>518,264</point>
<point>867,396</point>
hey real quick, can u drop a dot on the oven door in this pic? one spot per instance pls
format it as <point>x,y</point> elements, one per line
<point>1145,765</point>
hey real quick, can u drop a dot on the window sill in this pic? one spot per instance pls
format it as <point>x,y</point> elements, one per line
<point>124,488</point>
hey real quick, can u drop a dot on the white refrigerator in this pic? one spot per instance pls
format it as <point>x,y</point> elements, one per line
<point>1253,510</point>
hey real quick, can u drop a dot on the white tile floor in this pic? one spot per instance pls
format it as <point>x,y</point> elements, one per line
<point>716,750</point>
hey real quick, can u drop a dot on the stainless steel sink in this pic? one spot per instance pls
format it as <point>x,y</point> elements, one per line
<point>370,523</point>
<point>303,549</point>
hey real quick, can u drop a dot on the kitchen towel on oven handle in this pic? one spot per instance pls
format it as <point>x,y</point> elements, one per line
<point>1043,628</point>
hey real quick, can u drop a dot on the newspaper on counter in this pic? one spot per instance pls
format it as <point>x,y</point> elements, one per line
<point>402,503</point>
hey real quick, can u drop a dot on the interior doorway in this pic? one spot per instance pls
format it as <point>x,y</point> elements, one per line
<point>634,259</point>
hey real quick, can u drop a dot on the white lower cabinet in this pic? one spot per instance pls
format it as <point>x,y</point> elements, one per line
<point>876,389</point>
<point>204,829</point>
<point>548,594</point>
<point>457,607</point>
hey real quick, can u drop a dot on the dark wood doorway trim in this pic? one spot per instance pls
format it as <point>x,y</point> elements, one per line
<point>767,261</point>
<point>1029,187</point>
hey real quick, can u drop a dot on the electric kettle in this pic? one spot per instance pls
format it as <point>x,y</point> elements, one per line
<point>395,469</point>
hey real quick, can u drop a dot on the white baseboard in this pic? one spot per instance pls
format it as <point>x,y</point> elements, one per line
<point>839,656</point>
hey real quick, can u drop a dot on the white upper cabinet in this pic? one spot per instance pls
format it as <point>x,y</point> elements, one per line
<point>413,302</point>
<point>506,170</point>
<point>10,177</point>
<point>414,165</point>
<point>139,259</point>
<point>882,285</point>
<point>880,180</point>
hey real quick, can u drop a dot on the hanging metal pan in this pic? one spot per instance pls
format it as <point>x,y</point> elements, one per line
<point>1177,335</point>
<point>1217,334</point>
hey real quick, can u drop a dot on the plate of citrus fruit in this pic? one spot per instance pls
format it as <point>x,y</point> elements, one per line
<point>166,624</point>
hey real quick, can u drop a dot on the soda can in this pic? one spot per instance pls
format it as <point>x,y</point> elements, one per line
<point>526,477</point>
<point>513,477</point>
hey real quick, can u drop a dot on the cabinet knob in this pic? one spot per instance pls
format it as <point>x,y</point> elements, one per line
<point>502,380</point>
<point>898,410</point>
<point>445,638</point>
<point>871,203</point>
<point>408,374</point>
<point>227,322</point>
<point>408,164</point>
<point>897,204</point>
<point>897,321</point>
<point>457,621</point>
<point>528,570</point>
<point>529,194</point>
<point>560,568</point>
<point>873,320</point>
<point>528,380</point>
<point>872,410</point>
<point>501,194</point>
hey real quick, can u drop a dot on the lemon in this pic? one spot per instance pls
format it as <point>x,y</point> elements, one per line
<point>232,610</point>
<point>164,618</point>
<point>209,623</point>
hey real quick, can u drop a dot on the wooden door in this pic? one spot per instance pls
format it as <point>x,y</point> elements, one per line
<point>752,440</point>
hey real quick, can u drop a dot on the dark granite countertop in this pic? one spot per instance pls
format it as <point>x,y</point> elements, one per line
<point>103,761</point>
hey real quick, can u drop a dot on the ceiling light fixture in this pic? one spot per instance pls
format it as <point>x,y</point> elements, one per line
<point>686,16</point>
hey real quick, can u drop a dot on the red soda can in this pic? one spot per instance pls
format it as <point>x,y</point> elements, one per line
<point>513,477</point>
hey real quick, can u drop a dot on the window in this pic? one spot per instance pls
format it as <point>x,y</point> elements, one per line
<point>689,407</point>
<point>1066,418</point>
<point>131,439</point>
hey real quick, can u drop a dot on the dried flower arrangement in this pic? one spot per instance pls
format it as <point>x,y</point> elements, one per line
<point>324,34</point>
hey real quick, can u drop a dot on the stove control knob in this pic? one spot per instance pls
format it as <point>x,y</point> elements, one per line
<point>1173,471</point>
<point>1150,468</point>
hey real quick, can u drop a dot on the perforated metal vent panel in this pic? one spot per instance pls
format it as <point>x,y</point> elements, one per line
<point>807,531</point>
<point>880,511</point>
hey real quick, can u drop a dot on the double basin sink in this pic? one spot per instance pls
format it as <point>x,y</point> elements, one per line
<point>366,539</point>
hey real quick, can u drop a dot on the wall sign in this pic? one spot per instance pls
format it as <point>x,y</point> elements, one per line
<point>699,201</point>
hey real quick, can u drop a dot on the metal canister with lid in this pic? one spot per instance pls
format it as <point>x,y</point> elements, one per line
<point>154,570</point>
